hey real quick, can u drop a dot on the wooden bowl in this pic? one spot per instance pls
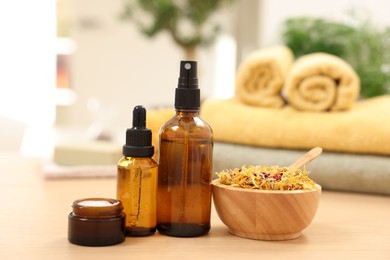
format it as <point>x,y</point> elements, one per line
<point>265,215</point>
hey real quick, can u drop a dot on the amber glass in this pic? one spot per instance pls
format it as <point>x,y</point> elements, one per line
<point>96,222</point>
<point>184,180</point>
<point>137,188</point>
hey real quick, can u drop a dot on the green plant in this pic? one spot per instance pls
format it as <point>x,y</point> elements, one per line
<point>184,20</point>
<point>364,46</point>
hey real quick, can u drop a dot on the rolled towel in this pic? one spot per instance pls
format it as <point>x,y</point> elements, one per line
<point>321,82</point>
<point>260,77</point>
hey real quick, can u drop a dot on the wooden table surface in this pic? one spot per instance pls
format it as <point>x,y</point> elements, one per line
<point>34,212</point>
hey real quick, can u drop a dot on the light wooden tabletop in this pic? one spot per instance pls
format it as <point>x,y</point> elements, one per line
<point>34,212</point>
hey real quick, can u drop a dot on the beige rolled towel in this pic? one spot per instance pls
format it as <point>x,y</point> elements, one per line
<point>321,82</point>
<point>260,77</point>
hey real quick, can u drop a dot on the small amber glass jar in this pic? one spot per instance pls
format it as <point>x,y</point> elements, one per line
<point>96,222</point>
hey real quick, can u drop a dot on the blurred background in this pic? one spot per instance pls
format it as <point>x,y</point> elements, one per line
<point>76,68</point>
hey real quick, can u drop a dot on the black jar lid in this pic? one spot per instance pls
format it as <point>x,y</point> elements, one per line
<point>96,222</point>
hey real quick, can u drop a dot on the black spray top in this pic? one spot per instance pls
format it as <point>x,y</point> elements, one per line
<point>138,138</point>
<point>187,94</point>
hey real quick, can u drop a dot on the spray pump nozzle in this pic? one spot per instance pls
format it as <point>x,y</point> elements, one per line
<point>187,94</point>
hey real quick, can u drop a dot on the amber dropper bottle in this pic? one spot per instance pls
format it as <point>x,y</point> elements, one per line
<point>185,163</point>
<point>137,178</point>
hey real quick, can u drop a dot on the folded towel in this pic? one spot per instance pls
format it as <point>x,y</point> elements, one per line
<point>362,129</point>
<point>55,171</point>
<point>335,171</point>
<point>155,118</point>
<point>320,82</point>
<point>260,77</point>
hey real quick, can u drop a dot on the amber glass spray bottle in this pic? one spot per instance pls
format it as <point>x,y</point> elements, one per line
<point>137,178</point>
<point>185,163</point>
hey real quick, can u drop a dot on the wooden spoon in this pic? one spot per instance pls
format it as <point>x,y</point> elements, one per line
<point>307,157</point>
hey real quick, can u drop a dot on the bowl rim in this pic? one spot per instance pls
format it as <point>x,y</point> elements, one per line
<point>216,183</point>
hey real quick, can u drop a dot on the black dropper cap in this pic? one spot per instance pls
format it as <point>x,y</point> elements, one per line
<point>138,138</point>
<point>187,94</point>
